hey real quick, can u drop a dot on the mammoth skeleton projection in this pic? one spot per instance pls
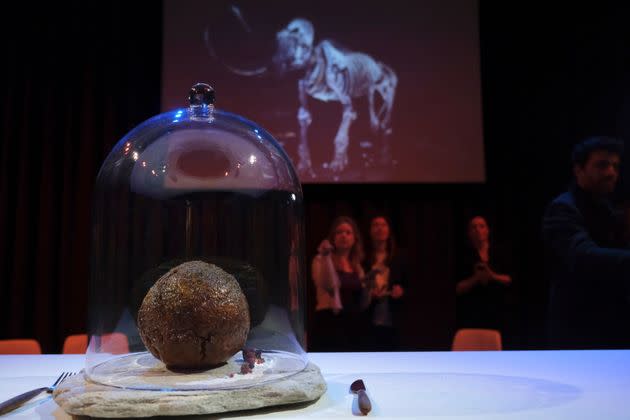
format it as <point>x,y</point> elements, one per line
<point>330,73</point>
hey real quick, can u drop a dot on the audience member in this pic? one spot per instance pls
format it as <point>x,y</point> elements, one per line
<point>386,283</point>
<point>587,256</point>
<point>481,289</point>
<point>340,318</point>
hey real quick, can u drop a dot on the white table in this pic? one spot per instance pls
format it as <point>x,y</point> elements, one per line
<point>458,385</point>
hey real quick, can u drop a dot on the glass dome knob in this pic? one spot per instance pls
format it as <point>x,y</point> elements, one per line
<point>201,100</point>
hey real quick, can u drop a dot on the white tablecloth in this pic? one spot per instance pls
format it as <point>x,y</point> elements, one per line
<point>459,385</point>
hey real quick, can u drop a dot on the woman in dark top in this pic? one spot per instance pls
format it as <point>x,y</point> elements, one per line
<point>481,282</point>
<point>339,321</point>
<point>387,282</point>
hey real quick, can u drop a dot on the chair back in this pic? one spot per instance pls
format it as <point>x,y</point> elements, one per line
<point>115,343</point>
<point>476,339</point>
<point>20,346</point>
<point>75,344</point>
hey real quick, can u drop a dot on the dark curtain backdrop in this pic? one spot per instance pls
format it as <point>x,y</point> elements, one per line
<point>79,76</point>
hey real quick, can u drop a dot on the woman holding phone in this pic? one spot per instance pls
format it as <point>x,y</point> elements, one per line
<point>341,294</point>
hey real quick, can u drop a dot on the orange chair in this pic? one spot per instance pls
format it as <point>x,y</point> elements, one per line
<point>475,339</point>
<point>20,346</point>
<point>115,343</point>
<point>75,344</point>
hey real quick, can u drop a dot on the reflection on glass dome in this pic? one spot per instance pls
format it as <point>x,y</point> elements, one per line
<point>202,185</point>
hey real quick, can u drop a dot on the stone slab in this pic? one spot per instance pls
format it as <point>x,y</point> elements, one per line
<point>80,397</point>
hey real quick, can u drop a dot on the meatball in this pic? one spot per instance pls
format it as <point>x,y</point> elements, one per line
<point>195,316</point>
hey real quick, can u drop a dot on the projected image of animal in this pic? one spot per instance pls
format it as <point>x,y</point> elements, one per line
<point>332,74</point>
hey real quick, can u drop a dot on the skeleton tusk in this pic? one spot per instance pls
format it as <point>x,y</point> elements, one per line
<point>237,12</point>
<point>213,53</point>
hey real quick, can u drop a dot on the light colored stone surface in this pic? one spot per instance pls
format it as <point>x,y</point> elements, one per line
<point>79,397</point>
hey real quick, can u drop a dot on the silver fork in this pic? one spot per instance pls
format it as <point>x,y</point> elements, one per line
<point>15,402</point>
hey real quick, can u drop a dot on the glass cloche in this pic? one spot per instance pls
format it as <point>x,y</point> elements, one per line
<point>197,243</point>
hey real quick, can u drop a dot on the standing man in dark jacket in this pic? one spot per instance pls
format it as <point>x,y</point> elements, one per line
<point>587,258</point>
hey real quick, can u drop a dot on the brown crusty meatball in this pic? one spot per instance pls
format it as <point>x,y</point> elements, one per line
<point>195,316</point>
